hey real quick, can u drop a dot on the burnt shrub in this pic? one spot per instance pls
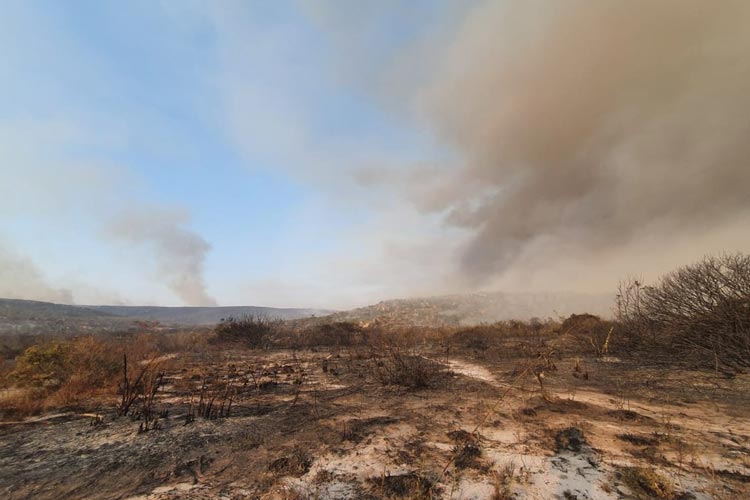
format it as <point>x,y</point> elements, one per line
<point>411,485</point>
<point>702,309</point>
<point>591,334</point>
<point>336,334</point>
<point>480,337</point>
<point>467,449</point>
<point>408,370</point>
<point>296,464</point>
<point>254,332</point>
<point>506,339</point>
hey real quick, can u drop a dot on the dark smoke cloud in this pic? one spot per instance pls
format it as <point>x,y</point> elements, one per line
<point>588,124</point>
<point>179,253</point>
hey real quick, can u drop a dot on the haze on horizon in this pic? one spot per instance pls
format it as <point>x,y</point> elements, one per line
<point>333,154</point>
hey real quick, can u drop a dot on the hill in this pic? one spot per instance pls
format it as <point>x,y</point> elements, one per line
<point>203,315</point>
<point>27,316</point>
<point>482,307</point>
<point>17,309</point>
<point>31,316</point>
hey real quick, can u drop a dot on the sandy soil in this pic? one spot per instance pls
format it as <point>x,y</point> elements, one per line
<point>321,425</point>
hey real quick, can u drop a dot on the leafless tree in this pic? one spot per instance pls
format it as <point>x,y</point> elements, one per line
<point>704,307</point>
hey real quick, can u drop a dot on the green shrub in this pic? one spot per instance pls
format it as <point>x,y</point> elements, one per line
<point>44,365</point>
<point>67,371</point>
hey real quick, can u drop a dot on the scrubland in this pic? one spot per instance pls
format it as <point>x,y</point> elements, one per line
<point>641,406</point>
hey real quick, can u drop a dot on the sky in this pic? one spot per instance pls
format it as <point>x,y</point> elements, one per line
<point>333,154</point>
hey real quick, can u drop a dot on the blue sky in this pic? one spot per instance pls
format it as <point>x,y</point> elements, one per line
<point>333,154</point>
<point>245,117</point>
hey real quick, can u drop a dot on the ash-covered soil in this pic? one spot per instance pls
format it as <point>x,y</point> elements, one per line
<point>308,424</point>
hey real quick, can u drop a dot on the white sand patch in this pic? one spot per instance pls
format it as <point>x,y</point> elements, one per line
<point>166,491</point>
<point>542,477</point>
<point>469,489</point>
<point>332,387</point>
<point>508,435</point>
<point>352,469</point>
<point>173,487</point>
<point>471,370</point>
<point>160,359</point>
<point>340,488</point>
<point>582,475</point>
<point>447,447</point>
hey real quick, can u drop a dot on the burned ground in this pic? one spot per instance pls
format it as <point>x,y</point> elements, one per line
<point>325,423</point>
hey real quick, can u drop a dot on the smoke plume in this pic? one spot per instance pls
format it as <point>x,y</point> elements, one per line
<point>179,253</point>
<point>20,279</point>
<point>589,124</point>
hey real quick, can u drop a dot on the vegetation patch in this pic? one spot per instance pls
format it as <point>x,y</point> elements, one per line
<point>627,415</point>
<point>701,311</point>
<point>646,483</point>
<point>570,439</point>
<point>639,440</point>
<point>467,454</point>
<point>336,334</point>
<point>408,370</point>
<point>462,436</point>
<point>412,485</point>
<point>734,476</point>
<point>254,332</point>
<point>296,464</point>
<point>60,373</point>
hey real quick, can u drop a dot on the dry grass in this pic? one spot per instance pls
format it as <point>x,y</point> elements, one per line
<point>411,485</point>
<point>330,391</point>
<point>503,481</point>
<point>647,483</point>
<point>17,402</point>
<point>66,373</point>
<point>339,425</point>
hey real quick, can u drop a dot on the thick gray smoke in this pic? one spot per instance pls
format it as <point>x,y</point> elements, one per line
<point>179,252</point>
<point>20,279</point>
<point>588,124</point>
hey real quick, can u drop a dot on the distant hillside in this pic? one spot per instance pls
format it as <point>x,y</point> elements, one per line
<point>31,316</point>
<point>15,309</point>
<point>473,308</point>
<point>203,315</point>
<point>26,316</point>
